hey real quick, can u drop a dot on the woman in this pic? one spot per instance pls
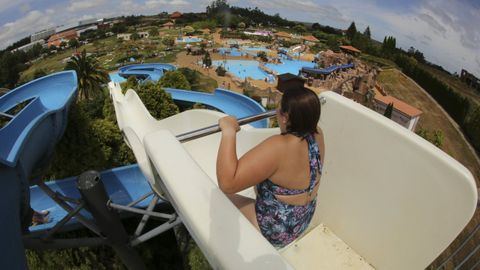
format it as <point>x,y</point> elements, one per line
<point>285,169</point>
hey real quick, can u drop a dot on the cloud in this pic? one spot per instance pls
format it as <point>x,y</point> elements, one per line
<point>76,6</point>
<point>432,22</point>
<point>11,32</point>
<point>315,10</point>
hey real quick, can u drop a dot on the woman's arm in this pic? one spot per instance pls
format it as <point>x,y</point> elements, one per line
<point>255,166</point>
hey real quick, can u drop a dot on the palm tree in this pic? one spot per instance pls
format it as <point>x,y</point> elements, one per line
<point>90,75</point>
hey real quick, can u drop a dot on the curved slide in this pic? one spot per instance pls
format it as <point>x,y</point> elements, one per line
<point>228,102</point>
<point>145,71</point>
<point>368,209</point>
<point>27,142</point>
<point>325,71</point>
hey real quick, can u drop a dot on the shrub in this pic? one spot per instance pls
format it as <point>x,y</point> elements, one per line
<point>221,71</point>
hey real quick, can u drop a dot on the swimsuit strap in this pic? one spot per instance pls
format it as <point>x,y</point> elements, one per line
<point>314,159</point>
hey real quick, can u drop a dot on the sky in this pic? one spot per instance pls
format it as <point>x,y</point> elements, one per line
<point>446,31</point>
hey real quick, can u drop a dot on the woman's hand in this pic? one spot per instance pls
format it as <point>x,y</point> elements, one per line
<point>228,125</point>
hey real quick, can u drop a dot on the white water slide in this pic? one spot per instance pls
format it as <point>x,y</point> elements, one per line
<point>387,200</point>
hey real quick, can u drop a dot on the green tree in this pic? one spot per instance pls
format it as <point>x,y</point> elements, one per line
<point>90,75</point>
<point>299,28</point>
<point>135,36</point>
<point>241,25</point>
<point>168,41</point>
<point>73,43</point>
<point>437,139</point>
<point>220,71</point>
<point>263,56</point>
<point>158,102</point>
<point>389,44</point>
<point>10,68</point>
<point>316,26</point>
<point>207,60</point>
<point>367,32</point>
<point>388,111</point>
<point>188,30</point>
<point>351,31</point>
<point>153,32</point>
<point>39,73</point>
<point>174,79</point>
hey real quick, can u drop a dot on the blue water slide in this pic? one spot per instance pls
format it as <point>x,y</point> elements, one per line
<point>229,102</point>
<point>27,141</point>
<point>123,185</point>
<point>145,71</point>
<point>327,70</point>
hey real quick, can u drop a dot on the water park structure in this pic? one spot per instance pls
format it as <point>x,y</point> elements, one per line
<point>223,234</point>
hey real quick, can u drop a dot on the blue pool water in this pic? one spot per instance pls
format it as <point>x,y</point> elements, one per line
<point>231,52</point>
<point>189,39</point>
<point>290,66</point>
<point>242,68</point>
<point>114,77</point>
<point>255,49</point>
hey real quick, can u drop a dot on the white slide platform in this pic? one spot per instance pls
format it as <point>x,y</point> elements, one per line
<point>387,200</point>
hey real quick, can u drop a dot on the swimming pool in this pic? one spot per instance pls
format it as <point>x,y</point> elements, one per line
<point>255,48</point>
<point>242,68</point>
<point>231,51</point>
<point>189,40</point>
<point>290,66</point>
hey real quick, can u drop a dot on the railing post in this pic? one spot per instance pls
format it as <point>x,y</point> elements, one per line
<point>93,193</point>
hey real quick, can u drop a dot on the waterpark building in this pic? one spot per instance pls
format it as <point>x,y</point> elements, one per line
<point>470,79</point>
<point>175,15</point>
<point>57,39</point>
<point>404,114</point>
<point>30,45</point>
<point>44,34</point>
<point>350,50</point>
<point>168,25</point>
<point>310,40</point>
<point>124,36</point>
<point>283,36</point>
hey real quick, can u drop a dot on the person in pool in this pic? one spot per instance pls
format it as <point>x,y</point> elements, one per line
<point>285,169</point>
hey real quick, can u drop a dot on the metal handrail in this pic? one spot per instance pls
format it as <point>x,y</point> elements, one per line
<point>462,245</point>
<point>7,115</point>
<point>198,133</point>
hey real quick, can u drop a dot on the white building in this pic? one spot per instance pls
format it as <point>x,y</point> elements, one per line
<point>124,36</point>
<point>403,113</point>
<point>143,34</point>
<point>44,34</point>
<point>90,21</point>
<point>93,27</point>
<point>30,45</point>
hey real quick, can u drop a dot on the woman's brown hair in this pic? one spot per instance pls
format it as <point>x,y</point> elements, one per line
<point>303,109</point>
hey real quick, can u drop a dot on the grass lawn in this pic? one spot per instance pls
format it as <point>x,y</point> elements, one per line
<point>432,118</point>
<point>377,61</point>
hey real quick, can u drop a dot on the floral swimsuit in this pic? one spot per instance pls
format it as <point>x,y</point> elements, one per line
<point>281,223</point>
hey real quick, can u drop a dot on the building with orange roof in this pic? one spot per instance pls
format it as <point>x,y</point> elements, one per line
<point>283,36</point>
<point>169,25</point>
<point>350,49</point>
<point>58,38</point>
<point>403,113</point>
<point>310,39</point>
<point>175,15</point>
